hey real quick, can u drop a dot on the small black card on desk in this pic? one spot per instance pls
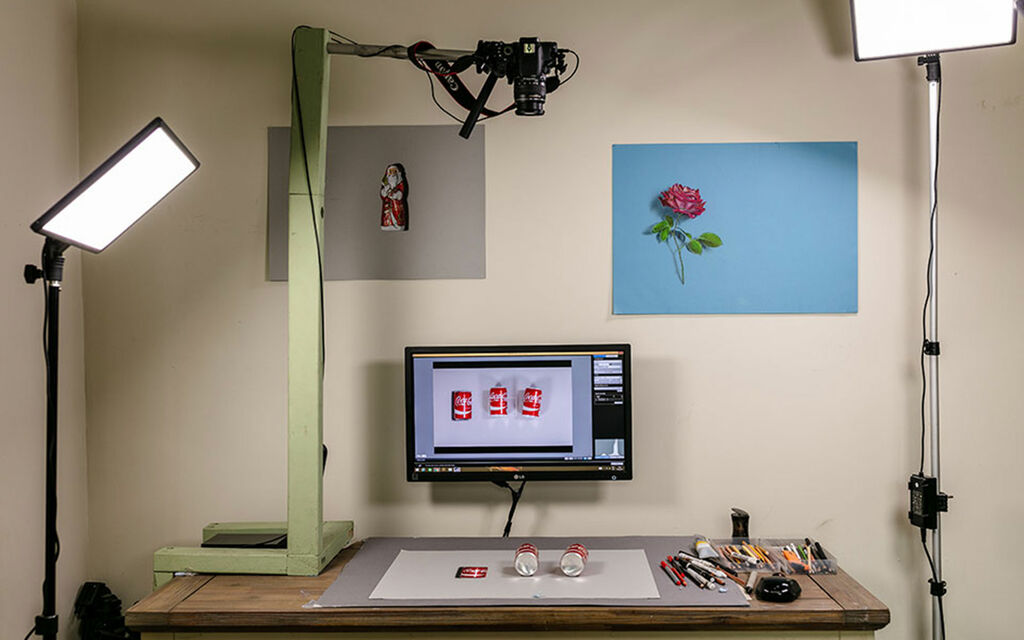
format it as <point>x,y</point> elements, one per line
<point>248,540</point>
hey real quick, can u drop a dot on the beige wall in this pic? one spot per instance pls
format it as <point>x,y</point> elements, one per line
<point>187,341</point>
<point>38,164</point>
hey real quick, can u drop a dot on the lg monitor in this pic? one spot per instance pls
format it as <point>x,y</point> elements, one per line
<point>502,413</point>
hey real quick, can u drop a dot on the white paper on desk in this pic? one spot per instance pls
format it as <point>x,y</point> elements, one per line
<point>421,575</point>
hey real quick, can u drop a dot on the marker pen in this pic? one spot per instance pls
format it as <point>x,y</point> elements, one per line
<point>664,567</point>
<point>697,578</point>
<point>675,569</point>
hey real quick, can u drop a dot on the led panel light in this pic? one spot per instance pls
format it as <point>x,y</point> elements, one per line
<point>120,191</point>
<point>894,28</point>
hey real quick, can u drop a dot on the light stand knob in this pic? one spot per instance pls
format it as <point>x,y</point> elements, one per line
<point>32,273</point>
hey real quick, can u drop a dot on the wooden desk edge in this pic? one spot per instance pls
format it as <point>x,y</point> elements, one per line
<point>512,619</point>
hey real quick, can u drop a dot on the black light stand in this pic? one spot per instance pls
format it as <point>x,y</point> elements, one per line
<point>52,273</point>
<point>130,182</point>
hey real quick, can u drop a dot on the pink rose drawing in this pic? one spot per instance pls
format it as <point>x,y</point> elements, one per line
<point>683,200</point>
<point>685,204</point>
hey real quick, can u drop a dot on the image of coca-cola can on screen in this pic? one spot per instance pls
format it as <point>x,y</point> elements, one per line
<point>462,405</point>
<point>531,402</point>
<point>498,398</point>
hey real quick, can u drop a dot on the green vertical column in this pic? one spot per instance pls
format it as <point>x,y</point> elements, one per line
<point>305,351</point>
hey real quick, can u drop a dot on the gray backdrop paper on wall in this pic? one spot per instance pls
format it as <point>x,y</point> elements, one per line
<point>445,198</point>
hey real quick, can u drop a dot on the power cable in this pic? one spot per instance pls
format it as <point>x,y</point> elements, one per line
<point>516,494</point>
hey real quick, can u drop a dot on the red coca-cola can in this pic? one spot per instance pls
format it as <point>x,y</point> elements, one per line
<point>531,402</point>
<point>499,401</point>
<point>462,405</point>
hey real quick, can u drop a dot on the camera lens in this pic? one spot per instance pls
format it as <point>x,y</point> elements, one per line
<point>529,92</point>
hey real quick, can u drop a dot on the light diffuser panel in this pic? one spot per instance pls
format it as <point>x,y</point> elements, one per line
<point>120,191</point>
<point>893,28</point>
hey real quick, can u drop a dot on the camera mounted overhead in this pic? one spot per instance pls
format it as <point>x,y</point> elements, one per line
<point>533,69</point>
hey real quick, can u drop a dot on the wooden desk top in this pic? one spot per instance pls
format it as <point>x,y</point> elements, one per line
<point>274,603</point>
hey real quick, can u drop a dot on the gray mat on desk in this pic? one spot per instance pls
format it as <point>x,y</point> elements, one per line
<point>362,573</point>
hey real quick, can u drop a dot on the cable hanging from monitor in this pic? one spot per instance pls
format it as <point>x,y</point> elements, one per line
<point>516,494</point>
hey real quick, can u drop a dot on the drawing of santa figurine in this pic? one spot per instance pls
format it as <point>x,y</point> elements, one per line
<point>394,208</point>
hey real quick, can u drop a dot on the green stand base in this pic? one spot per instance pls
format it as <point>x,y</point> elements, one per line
<point>170,560</point>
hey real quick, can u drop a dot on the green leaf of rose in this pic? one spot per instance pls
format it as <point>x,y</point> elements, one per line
<point>663,235</point>
<point>694,246</point>
<point>710,240</point>
<point>661,226</point>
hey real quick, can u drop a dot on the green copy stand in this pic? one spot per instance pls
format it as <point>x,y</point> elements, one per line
<point>312,543</point>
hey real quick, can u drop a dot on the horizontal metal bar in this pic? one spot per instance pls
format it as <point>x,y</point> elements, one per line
<point>393,51</point>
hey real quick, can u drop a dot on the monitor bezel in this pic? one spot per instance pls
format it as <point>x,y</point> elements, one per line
<point>570,474</point>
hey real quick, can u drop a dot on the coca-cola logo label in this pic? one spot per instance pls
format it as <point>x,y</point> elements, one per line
<point>461,401</point>
<point>578,548</point>
<point>471,572</point>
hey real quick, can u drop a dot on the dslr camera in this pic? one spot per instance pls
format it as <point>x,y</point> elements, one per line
<point>530,66</point>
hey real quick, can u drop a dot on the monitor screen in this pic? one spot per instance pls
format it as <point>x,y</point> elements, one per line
<point>534,412</point>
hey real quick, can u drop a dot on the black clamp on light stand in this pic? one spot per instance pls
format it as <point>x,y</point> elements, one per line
<point>52,261</point>
<point>933,70</point>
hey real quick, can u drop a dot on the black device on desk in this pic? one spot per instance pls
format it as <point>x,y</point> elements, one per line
<point>526,412</point>
<point>777,589</point>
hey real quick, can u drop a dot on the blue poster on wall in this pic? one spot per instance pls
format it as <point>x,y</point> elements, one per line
<point>734,228</point>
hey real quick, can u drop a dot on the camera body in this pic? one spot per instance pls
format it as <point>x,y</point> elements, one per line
<point>528,65</point>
